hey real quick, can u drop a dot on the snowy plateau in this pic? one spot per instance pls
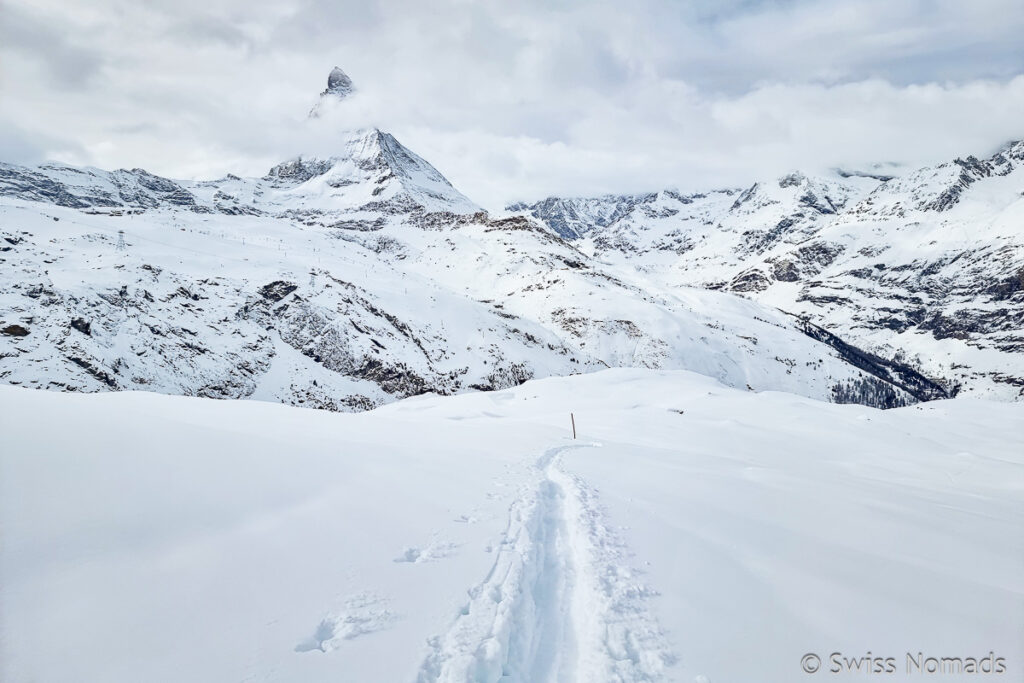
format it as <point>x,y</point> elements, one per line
<point>659,437</point>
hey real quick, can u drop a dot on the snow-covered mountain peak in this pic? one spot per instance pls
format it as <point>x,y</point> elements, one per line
<point>373,170</point>
<point>338,83</point>
<point>941,188</point>
<point>793,179</point>
<point>1013,150</point>
<point>339,86</point>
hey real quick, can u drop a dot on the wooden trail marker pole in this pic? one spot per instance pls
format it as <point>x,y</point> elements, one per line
<point>573,418</point>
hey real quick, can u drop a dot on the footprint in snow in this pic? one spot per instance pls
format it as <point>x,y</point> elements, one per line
<point>363,613</point>
<point>434,551</point>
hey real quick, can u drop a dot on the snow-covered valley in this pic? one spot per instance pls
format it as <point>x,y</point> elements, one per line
<point>692,532</point>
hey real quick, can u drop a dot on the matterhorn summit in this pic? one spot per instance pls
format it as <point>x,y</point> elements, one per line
<point>339,86</point>
<point>370,171</point>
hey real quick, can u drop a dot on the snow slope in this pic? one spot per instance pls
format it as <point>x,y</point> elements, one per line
<point>693,532</point>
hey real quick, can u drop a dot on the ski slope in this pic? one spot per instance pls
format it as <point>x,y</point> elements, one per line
<point>693,532</point>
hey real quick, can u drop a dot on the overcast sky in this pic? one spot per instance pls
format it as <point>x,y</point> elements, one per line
<point>516,100</point>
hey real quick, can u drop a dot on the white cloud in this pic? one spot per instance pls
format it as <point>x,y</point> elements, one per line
<point>516,100</point>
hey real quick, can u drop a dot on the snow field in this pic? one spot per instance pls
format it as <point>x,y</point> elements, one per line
<point>716,535</point>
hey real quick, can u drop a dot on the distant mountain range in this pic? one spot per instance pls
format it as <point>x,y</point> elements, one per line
<point>356,277</point>
<point>926,267</point>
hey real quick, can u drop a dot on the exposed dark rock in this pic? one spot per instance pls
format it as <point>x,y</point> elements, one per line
<point>963,323</point>
<point>819,253</point>
<point>299,170</point>
<point>338,83</point>
<point>757,241</point>
<point>785,271</point>
<point>277,290</point>
<point>823,205</point>
<point>897,319</point>
<point>96,372</point>
<point>792,180</point>
<point>824,299</point>
<point>745,196</point>
<point>750,281</point>
<point>1007,288</point>
<point>972,170</point>
<point>82,325</point>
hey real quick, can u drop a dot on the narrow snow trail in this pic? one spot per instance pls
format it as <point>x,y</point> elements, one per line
<point>560,602</point>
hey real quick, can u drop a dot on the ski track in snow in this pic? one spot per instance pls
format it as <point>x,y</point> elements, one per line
<point>560,603</point>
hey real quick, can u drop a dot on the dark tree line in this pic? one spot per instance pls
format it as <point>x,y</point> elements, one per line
<point>868,391</point>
